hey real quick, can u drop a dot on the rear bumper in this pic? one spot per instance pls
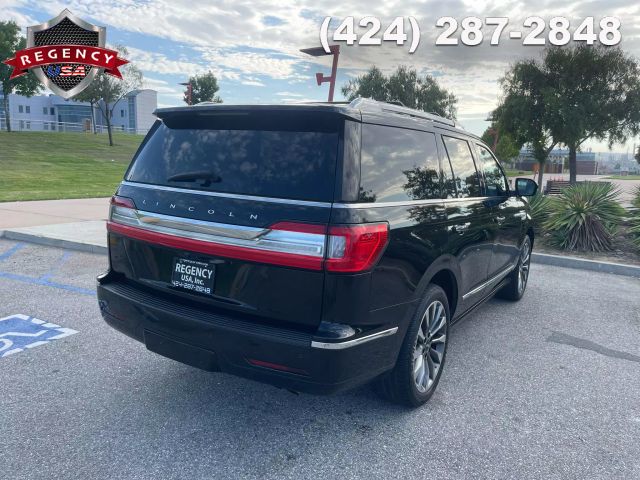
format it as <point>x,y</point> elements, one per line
<point>215,342</point>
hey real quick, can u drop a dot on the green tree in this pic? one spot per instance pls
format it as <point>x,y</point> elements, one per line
<point>110,90</point>
<point>505,148</point>
<point>637,155</point>
<point>203,89</point>
<point>523,113</point>
<point>590,92</point>
<point>28,84</point>
<point>92,95</point>
<point>406,86</point>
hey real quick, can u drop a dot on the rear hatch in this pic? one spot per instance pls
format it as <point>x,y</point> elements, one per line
<point>229,208</point>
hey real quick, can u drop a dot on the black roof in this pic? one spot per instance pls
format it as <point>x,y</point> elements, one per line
<point>359,109</point>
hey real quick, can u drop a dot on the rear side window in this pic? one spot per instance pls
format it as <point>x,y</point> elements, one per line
<point>398,164</point>
<point>465,177</point>
<point>264,162</point>
<point>494,180</point>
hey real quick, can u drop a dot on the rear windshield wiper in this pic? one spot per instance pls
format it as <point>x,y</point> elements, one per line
<point>208,177</point>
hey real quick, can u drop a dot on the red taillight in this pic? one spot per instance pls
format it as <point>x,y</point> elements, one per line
<point>314,228</point>
<point>355,248</point>
<point>342,248</point>
<point>118,201</point>
<point>217,248</point>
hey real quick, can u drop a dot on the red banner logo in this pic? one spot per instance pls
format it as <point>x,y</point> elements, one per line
<point>54,54</point>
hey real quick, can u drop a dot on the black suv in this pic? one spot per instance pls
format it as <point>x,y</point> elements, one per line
<point>314,247</point>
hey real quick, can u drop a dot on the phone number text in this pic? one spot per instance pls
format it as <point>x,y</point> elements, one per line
<point>472,31</point>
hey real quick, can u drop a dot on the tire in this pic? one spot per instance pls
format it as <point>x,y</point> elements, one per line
<point>408,383</point>
<point>515,288</point>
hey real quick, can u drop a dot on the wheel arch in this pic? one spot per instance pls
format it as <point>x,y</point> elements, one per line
<point>531,234</point>
<point>444,272</point>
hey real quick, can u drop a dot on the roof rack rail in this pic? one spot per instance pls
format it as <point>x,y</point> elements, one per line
<point>370,105</point>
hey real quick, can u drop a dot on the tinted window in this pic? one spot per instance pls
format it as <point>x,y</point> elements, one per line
<point>291,164</point>
<point>398,164</point>
<point>465,177</point>
<point>495,182</point>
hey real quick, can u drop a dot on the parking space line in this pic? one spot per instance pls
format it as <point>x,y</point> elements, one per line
<point>66,255</point>
<point>47,283</point>
<point>17,247</point>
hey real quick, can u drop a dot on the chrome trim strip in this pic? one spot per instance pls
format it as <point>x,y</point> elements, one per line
<point>498,276</point>
<point>355,341</point>
<point>235,196</point>
<point>201,226</point>
<point>437,201</point>
<point>249,237</point>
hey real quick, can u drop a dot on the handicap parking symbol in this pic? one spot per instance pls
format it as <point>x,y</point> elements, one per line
<point>21,332</point>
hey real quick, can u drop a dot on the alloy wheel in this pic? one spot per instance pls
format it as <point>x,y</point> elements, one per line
<point>428,352</point>
<point>523,269</point>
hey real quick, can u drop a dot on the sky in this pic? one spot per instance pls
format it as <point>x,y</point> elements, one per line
<point>253,46</point>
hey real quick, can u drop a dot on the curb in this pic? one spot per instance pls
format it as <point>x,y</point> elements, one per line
<point>541,258</point>
<point>53,242</point>
<point>584,264</point>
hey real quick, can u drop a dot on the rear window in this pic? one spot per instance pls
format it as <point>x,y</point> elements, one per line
<point>398,164</point>
<point>276,161</point>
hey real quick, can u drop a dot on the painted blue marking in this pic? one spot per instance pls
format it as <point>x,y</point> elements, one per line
<point>66,255</point>
<point>21,332</point>
<point>44,280</point>
<point>47,283</point>
<point>11,251</point>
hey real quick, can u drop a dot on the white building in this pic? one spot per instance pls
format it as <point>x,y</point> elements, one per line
<point>132,114</point>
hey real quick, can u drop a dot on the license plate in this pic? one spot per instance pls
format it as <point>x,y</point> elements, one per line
<point>193,275</point>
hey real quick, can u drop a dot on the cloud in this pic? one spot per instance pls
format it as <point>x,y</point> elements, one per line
<point>253,83</point>
<point>252,44</point>
<point>270,64</point>
<point>160,63</point>
<point>162,86</point>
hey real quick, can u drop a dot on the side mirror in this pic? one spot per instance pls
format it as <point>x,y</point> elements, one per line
<point>525,187</point>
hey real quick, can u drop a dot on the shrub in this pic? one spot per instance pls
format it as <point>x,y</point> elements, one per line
<point>585,217</point>
<point>635,218</point>
<point>539,204</point>
<point>636,199</point>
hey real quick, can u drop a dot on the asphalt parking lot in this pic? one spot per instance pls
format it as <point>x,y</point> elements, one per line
<point>545,388</point>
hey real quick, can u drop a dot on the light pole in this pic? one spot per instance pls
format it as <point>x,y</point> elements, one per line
<point>320,78</point>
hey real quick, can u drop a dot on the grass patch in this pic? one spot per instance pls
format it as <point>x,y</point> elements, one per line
<point>55,165</point>
<point>623,177</point>
<point>517,173</point>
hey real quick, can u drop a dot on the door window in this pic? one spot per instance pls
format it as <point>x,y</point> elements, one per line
<point>495,181</point>
<point>465,176</point>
